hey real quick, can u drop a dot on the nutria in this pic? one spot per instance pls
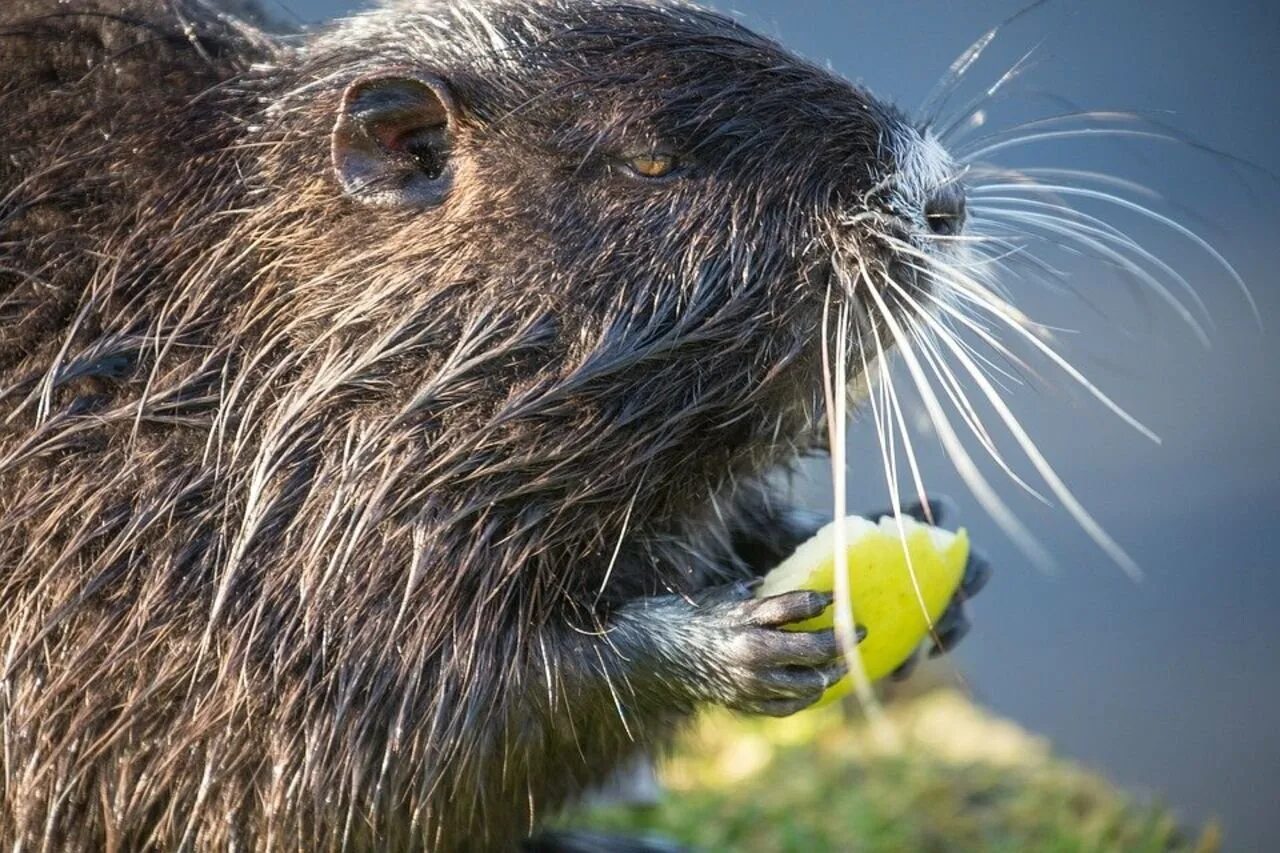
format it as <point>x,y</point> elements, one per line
<point>388,412</point>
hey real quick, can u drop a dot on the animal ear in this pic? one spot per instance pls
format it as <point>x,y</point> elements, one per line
<point>391,144</point>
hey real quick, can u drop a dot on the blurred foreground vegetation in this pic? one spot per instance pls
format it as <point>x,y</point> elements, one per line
<point>946,777</point>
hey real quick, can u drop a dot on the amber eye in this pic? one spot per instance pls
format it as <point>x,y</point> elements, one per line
<point>652,164</point>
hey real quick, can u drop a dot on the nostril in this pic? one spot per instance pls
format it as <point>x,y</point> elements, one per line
<point>945,210</point>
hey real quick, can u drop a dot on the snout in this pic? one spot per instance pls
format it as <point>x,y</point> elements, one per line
<point>944,209</point>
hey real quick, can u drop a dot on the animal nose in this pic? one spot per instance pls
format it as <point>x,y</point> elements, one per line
<point>945,210</point>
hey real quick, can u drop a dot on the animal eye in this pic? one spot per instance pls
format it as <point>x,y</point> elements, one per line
<point>652,164</point>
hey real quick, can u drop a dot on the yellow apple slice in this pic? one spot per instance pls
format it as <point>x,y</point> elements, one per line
<point>885,599</point>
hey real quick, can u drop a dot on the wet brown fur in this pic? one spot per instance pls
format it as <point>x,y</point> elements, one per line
<point>308,512</point>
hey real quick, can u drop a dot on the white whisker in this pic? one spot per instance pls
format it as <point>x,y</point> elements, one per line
<point>945,87</point>
<point>891,476</point>
<point>960,458</point>
<point>1143,121</point>
<point>895,407</point>
<point>835,385</point>
<point>1095,238</point>
<point>974,106</point>
<point>1155,216</point>
<point>1074,133</point>
<point>955,392</point>
<point>998,310</point>
<point>1037,459</point>
<point>1031,176</point>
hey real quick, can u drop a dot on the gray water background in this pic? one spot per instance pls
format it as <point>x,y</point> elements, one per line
<point>1170,686</point>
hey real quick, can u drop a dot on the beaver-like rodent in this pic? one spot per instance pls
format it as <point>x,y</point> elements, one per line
<point>386,412</point>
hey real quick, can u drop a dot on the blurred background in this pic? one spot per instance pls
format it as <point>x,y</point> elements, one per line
<point>1172,685</point>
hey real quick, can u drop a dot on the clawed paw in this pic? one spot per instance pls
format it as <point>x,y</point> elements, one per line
<point>954,623</point>
<point>752,663</point>
<point>759,666</point>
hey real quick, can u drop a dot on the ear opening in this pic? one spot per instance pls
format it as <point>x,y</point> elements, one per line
<point>392,141</point>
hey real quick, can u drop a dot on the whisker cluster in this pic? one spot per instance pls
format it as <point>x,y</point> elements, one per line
<point>945,303</point>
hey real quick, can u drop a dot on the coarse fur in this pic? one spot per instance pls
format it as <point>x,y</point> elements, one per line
<point>330,525</point>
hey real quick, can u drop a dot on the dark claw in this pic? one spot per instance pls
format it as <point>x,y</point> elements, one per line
<point>833,672</point>
<point>940,509</point>
<point>976,574</point>
<point>798,682</point>
<point>948,641</point>
<point>953,624</point>
<point>949,629</point>
<point>908,666</point>
<point>785,608</point>
<point>766,648</point>
<point>953,613</point>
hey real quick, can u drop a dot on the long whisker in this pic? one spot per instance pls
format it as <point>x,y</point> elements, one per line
<point>895,407</point>
<point>835,384</point>
<point>891,479</point>
<point>977,116</point>
<point>955,392</point>
<point>1021,253</point>
<point>1112,258</point>
<point>879,402</point>
<point>1142,210</point>
<point>1031,175</point>
<point>991,367</point>
<point>972,322</point>
<point>960,458</point>
<point>1162,130</point>
<point>1047,274</point>
<point>969,153</point>
<point>1029,447</point>
<point>967,286</point>
<point>1095,238</point>
<point>987,96</point>
<point>942,91</point>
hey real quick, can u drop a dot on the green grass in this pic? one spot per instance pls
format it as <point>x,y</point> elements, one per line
<point>956,780</point>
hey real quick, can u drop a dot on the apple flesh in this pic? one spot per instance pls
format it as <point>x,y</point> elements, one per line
<point>901,578</point>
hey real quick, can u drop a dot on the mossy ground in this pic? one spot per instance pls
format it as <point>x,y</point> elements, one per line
<point>956,779</point>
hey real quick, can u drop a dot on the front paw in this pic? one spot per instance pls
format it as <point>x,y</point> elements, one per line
<point>750,662</point>
<point>953,624</point>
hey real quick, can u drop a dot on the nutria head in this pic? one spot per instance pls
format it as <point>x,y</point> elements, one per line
<point>370,373</point>
<point>650,206</point>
